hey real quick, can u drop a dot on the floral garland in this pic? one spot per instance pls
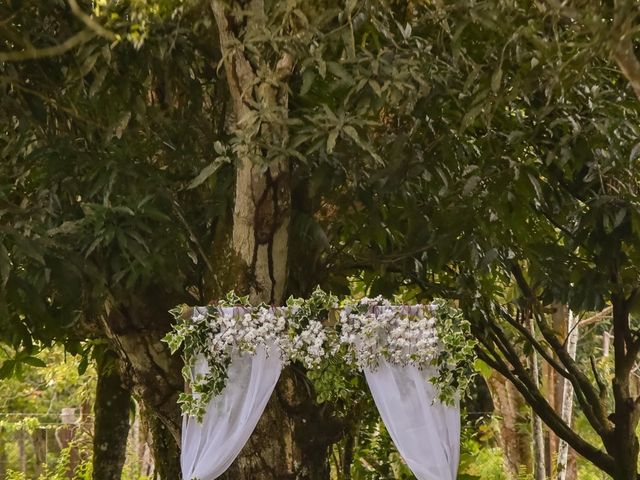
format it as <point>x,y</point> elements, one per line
<point>373,328</point>
<point>435,335</point>
<point>367,330</point>
<point>216,333</point>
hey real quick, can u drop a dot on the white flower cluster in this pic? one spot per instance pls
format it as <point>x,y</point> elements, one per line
<point>404,335</point>
<point>231,329</point>
<point>309,345</point>
<point>244,329</point>
<point>369,328</point>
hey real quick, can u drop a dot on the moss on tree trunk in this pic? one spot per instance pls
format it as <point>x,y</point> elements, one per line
<point>135,329</point>
<point>111,410</point>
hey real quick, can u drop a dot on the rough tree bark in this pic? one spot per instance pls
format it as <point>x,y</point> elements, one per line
<point>622,443</point>
<point>136,328</point>
<point>111,410</point>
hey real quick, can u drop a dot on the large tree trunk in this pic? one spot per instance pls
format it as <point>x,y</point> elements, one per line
<point>289,441</point>
<point>111,410</point>
<point>136,329</point>
<point>260,246</point>
<point>623,442</point>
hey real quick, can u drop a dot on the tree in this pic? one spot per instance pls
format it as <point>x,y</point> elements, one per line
<point>112,405</point>
<point>81,161</point>
<point>100,200</point>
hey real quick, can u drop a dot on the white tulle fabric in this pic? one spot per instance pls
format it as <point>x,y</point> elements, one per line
<point>209,448</point>
<point>426,432</point>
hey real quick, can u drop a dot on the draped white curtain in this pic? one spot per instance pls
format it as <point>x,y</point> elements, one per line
<point>426,432</point>
<point>209,448</point>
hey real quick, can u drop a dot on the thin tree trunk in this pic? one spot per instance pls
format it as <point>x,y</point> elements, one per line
<point>553,386</point>
<point>513,438</point>
<point>623,442</point>
<point>567,398</point>
<point>111,410</point>
<point>22,453</point>
<point>347,456</point>
<point>554,389</point>
<point>39,440</point>
<point>539,470</point>
<point>3,455</point>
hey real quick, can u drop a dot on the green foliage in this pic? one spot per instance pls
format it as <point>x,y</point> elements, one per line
<point>45,388</point>
<point>376,456</point>
<point>89,206</point>
<point>30,406</point>
<point>456,360</point>
<point>479,458</point>
<point>336,381</point>
<point>32,403</point>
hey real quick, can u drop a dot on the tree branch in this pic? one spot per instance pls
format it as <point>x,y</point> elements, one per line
<point>514,359</point>
<point>601,385</point>
<point>530,338</point>
<point>90,23</point>
<point>592,402</point>
<point>31,53</point>
<point>546,412</point>
<point>597,317</point>
<point>588,397</point>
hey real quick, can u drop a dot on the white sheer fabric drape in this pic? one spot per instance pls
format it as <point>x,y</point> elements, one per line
<point>210,447</point>
<point>426,432</point>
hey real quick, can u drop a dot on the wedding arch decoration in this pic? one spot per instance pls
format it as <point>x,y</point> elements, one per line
<point>416,359</point>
